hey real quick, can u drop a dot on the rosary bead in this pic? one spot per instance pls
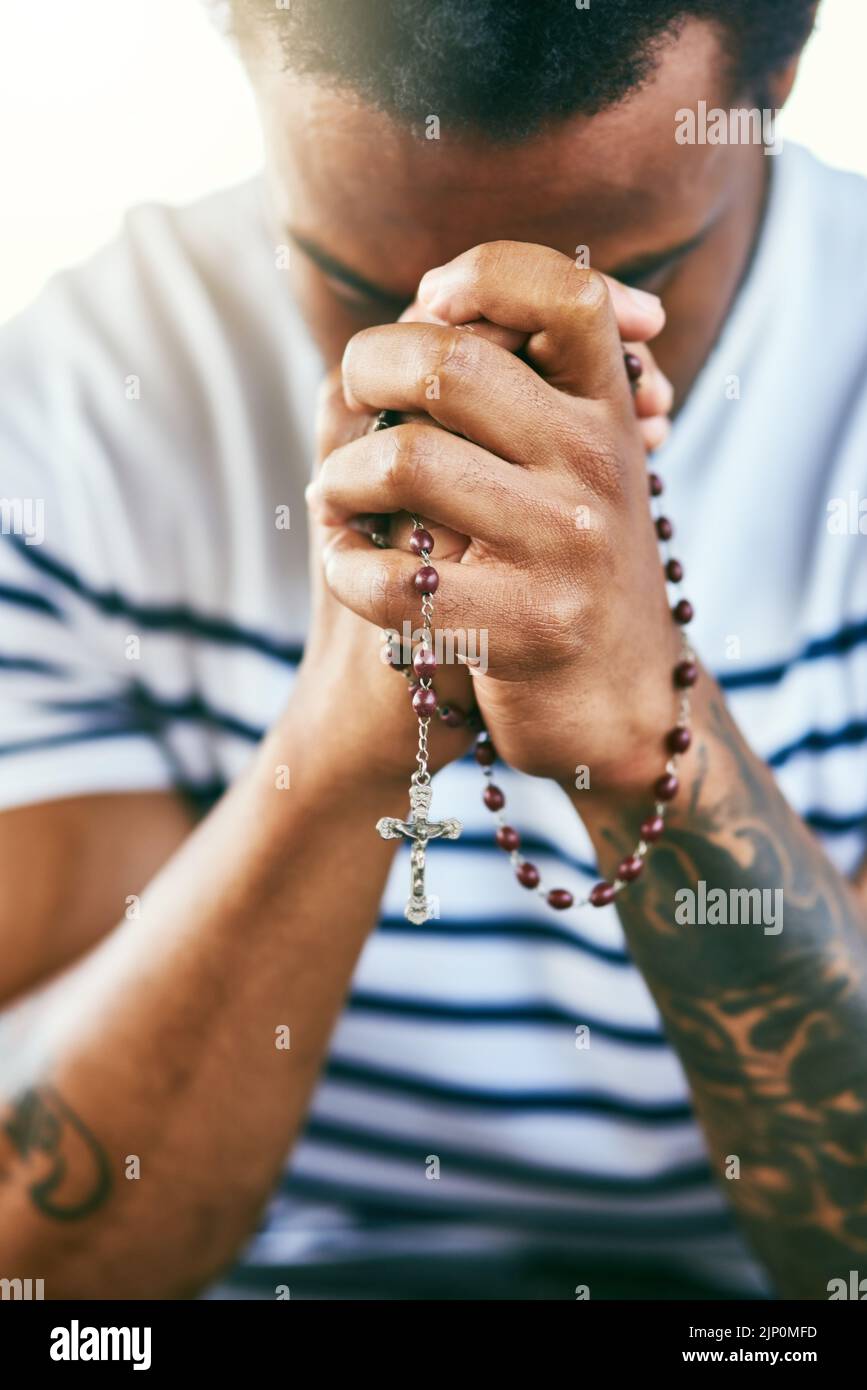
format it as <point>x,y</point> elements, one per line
<point>634,366</point>
<point>560,898</point>
<point>424,702</point>
<point>666,787</point>
<point>507,837</point>
<point>602,894</point>
<point>679,739</point>
<point>527,874</point>
<point>424,663</point>
<point>674,571</point>
<point>421,540</point>
<point>486,753</point>
<point>655,484</point>
<point>493,798</point>
<point>652,828</point>
<point>629,869</point>
<point>683,612</point>
<point>426,580</point>
<point>685,674</point>
<point>664,528</point>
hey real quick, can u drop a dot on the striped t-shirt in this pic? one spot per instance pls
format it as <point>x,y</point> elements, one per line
<point>156,421</point>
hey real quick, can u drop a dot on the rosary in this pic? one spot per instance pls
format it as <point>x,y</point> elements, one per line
<point>419,829</point>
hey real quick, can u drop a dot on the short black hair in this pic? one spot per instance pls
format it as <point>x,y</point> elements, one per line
<point>503,68</point>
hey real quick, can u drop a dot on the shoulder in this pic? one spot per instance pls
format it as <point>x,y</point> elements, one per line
<point>132,379</point>
<point>823,216</point>
<point>140,301</point>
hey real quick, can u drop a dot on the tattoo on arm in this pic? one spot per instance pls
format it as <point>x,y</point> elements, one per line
<point>72,1176</point>
<point>771,1028</point>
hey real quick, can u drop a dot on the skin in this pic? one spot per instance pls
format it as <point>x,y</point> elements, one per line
<point>124,1034</point>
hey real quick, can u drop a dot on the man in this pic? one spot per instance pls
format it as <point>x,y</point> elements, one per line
<point>644,1098</point>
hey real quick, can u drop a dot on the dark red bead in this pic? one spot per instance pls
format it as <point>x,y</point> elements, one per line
<point>508,838</point>
<point>560,898</point>
<point>493,798</point>
<point>424,702</point>
<point>666,787</point>
<point>655,484</point>
<point>629,869</point>
<point>424,663</point>
<point>421,540</point>
<point>634,366</point>
<point>683,612</point>
<point>674,571</point>
<point>486,753</point>
<point>426,580</point>
<point>664,528</point>
<point>452,718</point>
<point>679,739</point>
<point>651,829</point>
<point>527,874</point>
<point>685,674</point>
<point>602,894</point>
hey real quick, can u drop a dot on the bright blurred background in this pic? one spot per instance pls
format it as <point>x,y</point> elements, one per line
<point>107,103</point>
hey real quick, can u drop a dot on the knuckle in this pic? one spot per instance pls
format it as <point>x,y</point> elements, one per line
<point>384,596</point>
<point>485,260</point>
<point>402,453</point>
<point>591,293</point>
<point>588,450</point>
<point>456,355</point>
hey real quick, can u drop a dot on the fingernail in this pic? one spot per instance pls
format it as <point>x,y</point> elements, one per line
<point>311,494</point>
<point>648,303</point>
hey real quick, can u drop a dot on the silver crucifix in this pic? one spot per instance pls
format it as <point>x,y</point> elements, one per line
<point>418,830</point>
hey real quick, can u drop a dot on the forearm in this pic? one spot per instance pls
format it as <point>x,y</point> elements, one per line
<point>770,1024</point>
<point>168,1041</point>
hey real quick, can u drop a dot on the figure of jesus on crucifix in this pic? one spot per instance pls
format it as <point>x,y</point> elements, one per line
<point>418,830</point>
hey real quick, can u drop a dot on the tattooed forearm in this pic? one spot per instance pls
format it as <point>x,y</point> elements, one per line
<point>770,1024</point>
<point>66,1170</point>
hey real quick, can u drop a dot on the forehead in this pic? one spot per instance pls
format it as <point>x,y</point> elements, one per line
<point>369,190</point>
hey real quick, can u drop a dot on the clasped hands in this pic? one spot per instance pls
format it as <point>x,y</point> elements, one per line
<point>535,488</point>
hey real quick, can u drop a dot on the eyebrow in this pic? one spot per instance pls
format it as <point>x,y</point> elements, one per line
<point>633,270</point>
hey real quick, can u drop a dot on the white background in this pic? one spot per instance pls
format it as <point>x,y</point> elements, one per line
<point>106,103</point>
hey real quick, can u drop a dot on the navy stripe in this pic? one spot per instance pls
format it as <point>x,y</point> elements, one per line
<point>474,1213</point>
<point>181,618</point>
<point>506,1169</point>
<point>162,617</point>
<point>839,643</point>
<point>440,1011</point>
<point>193,707</point>
<point>32,665</point>
<point>26,598</point>
<point>821,741</point>
<point>827,823</point>
<point>506,928</point>
<point>573,1102</point>
<point>36,745</point>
